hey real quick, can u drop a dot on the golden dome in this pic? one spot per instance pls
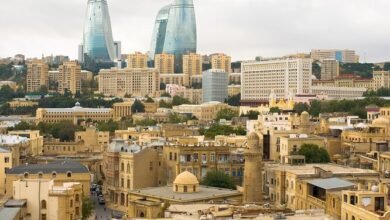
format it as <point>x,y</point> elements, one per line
<point>186,178</point>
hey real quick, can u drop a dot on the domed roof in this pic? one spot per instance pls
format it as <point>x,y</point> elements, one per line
<point>253,136</point>
<point>381,121</point>
<point>305,113</point>
<point>186,178</point>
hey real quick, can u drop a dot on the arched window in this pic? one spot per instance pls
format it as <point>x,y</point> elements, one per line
<point>54,174</point>
<point>128,168</point>
<point>122,167</point>
<point>40,175</point>
<point>43,204</point>
<point>69,174</point>
<point>77,198</point>
<point>25,175</point>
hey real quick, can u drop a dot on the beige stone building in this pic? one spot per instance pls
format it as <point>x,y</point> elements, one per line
<point>165,63</point>
<point>37,75</point>
<point>60,172</point>
<point>35,140</point>
<point>148,202</point>
<point>363,203</point>
<point>192,64</point>
<point>292,143</point>
<point>122,110</point>
<point>69,77</point>
<point>128,167</point>
<point>86,75</point>
<point>330,69</point>
<point>19,147</point>
<point>136,82</point>
<point>344,56</point>
<point>75,114</point>
<point>380,79</point>
<point>140,136</point>
<point>137,60</point>
<point>177,79</point>
<point>192,95</point>
<point>46,200</point>
<point>5,164</point>
<point>19,103</point>
<point>187,154</point>
<point>313,186</point>
<point>86,142</point>
<point>204,112</point>
<point>221,61</point>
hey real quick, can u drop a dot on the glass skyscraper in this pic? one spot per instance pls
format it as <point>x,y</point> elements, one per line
<point>98,44</point>
<point>175,31</point>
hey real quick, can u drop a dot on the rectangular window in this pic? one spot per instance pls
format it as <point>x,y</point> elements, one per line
<point>6,159</point>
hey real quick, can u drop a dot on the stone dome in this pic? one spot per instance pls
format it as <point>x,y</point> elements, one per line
<point>186,182</point>
<point>186,178</point>
<point>305,113</point>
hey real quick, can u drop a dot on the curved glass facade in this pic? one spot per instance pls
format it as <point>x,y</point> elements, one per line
<point>98,41</point>
<point>175,31</point>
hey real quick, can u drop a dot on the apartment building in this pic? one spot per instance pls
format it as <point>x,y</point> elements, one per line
<point>37,75</point>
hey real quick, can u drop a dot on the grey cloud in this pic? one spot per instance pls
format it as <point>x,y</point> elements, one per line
<point>241,28</point>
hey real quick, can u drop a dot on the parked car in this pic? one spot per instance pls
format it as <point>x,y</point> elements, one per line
<point>101,201</point>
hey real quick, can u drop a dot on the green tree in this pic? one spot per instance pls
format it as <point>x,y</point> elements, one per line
<point>234,100</point>
<point>176,118</point>
<point>216,178</point>
<point>146,122</point>
<point>137,107</point>
<point>301,107</point>
<point>251,115</point>
<point>313,153</point>
<point>23,126</point>
<point>177,100</point>
<point>64,130</point>
<point>315,108</point>
<point>164,104</point>
<point>6,93</point>
<point>87,208</point>
<point>149,100</point>
<point>274,110</point>
<point>227,114</point>
<point>43,90</point>
<point>110,126</point>
<point>217,129</point>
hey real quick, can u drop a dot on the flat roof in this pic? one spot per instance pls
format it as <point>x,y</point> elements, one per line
<point>56,166</point>
<point>15,203</point>
<point>9,213</point>
<point>331,183</point>
<point>309,169</point>
<point>205,192</point>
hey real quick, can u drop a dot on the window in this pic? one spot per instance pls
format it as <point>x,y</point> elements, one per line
<point>122,167</point>
<point>43,204</point>
<point>54,175</point>
<point>176,188</point>
<point>71,203</point>
<point>77,199</point>
<point>185,189</point>
<point>194,188</point>
<point>151,165</point>
<point>128,168</point>
<point>69,174</point>
<point>6,159</point>
<point>43,217</point>
<point>77,211</point>
<point>25,175</point>
<point>334,203</point>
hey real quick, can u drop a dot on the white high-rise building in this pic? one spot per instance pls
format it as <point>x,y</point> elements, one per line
<point>283,77</point>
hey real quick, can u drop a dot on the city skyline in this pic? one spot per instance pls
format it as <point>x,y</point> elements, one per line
<point>237,30</point>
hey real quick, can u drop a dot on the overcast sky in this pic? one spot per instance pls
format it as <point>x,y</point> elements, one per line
<point>241,28</point>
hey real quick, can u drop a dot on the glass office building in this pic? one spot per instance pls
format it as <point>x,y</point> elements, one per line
<point>175,31</point>
<point>215,85</point>
<point>98,44</point>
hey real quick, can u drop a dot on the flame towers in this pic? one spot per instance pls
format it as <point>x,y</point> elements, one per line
<point>99,48</point>
<point>175,31</point>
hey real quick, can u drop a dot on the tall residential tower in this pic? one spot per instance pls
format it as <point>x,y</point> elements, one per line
<point>175,32</point>
<point>98,46</point>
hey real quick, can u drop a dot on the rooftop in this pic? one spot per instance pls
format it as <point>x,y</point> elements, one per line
<point>57,166</point>
<point>9,213</point>
<point>16,203</point>
<point>309,169</point>
<point>166,192</point>
<point>12,139</point>
<point>331,183</point>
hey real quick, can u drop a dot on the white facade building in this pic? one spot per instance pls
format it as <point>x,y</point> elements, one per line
<point>281,76</point>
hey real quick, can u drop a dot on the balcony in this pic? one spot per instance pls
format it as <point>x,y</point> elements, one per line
<point>319,203</point>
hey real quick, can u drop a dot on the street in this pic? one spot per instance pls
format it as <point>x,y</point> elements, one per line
<point>102,213</point>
